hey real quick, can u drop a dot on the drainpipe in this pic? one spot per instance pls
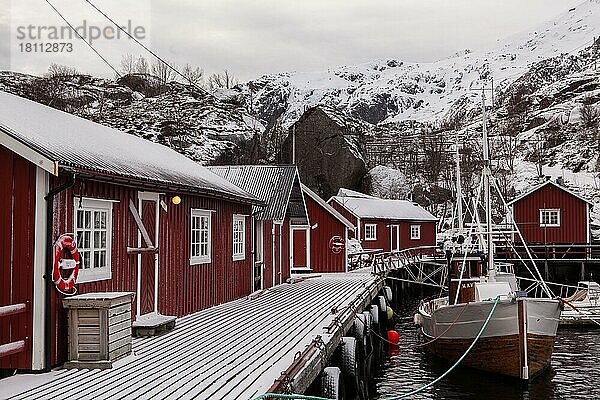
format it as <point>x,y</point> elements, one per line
<point>49,262</point>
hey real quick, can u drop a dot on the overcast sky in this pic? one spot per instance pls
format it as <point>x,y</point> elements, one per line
<point>255,37</point>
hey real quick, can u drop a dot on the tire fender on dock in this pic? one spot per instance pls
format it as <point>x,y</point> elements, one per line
<point>387,291</point>
<point>332,384</point>
<point>374,310</point>
<point>349,362</point>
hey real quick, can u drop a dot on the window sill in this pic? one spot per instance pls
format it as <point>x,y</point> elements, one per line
<point>86,276</point>
<point>549,226</point>
<point>370,240</point>
<point>200,261</point>
<point>240,257</point>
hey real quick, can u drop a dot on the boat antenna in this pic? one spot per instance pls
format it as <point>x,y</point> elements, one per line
<point>487,172</point>
<point>458,186</point>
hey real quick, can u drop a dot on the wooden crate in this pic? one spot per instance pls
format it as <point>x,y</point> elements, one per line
<point>99,329</point>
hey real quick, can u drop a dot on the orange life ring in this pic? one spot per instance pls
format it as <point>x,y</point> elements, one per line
<point>66,259</point>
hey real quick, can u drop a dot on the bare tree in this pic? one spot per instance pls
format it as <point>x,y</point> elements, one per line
<point>224,80</point>
<point>590,115</point>
<point>60,71</point>
<point>163,71</point>
<point>127,65</point>
<point>142,66</point>
<point>193,75</point>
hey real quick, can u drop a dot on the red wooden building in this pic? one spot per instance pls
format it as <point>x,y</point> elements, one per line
<point>280,226</point>
<point>387,225</point>
<point>554,221</point>
<point>147,220</point>
<point>327,236</point>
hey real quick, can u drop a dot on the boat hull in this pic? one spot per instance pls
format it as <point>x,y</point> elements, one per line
<point>517,342</point>
<point>500,354</point>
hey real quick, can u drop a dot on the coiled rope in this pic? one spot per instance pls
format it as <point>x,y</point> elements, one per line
<point>405,395</point>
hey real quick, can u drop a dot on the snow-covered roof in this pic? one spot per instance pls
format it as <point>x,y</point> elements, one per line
<point>326,206</point>
<point>372,207</point>
<point>549,182</point>
<point>343,192</point>
<point>270,183</point>
<point>56,140</point>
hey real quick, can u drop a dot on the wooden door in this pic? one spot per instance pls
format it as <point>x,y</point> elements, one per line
<point>394,237</point>
<point>259,259</point>
<point>148,259</point>
<point>299,248</point>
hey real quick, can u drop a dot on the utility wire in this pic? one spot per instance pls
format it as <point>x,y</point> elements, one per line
<point>82,38</point>
<point>147,49</point>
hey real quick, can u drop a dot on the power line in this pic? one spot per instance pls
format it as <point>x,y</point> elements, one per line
<point>147,49</point>
<point>85,41</point>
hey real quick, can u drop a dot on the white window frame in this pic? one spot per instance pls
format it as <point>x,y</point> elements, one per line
<point>239,256</point>
<point>415,232</point>
<point>93,274</point>
<point>367,227</point>
<point>204,258</point>
<point>550,211</point>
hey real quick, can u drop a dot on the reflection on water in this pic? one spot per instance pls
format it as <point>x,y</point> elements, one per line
<point>574,372</point>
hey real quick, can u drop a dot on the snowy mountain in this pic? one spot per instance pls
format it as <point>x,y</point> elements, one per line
<point>393,90</point>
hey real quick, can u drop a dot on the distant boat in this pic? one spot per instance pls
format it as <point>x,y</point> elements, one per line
<point>519,338</point>
<point>586,301</point>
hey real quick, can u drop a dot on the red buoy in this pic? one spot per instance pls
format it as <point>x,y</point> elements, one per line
<point>393,337</point>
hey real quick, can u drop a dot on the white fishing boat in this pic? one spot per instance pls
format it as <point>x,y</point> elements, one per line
<point>519,338</point>
<point>583,307</point>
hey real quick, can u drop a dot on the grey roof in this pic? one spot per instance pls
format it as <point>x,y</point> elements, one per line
<point>82,146</point>
<point>372,207</point>
<point>270,183</point>
<point>327,207</point>
<point>549,182</point>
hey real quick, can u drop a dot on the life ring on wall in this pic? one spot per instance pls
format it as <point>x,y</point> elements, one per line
<point>66,265</point>
<point>336,244</point>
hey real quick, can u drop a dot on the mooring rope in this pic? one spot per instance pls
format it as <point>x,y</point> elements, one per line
<point>586,313</point>
<point>405,395</point>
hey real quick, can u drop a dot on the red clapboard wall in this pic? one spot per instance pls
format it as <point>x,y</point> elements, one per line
<point>17,197</point>
<point>383,237</point>
<point>322,258</point>
<point>573,216</point>
<point>182,288</point>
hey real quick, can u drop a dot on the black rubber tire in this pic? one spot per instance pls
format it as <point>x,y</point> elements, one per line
<point>374,315</point>
<point>332,384</point>
<point>387,291</point>
<point>350,364</point>
<point>361,331</point>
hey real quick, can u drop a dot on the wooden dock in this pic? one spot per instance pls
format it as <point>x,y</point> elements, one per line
<point>236,350</point>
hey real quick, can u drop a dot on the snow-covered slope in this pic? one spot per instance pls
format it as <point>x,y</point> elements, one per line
<point>394,90</point>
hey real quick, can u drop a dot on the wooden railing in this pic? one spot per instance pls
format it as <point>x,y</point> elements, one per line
<point>382,261</point>
<point>549,251</point>
<point>16,346</point>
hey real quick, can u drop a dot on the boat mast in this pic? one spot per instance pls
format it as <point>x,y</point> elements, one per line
<point>487,172</point>
<point>458,187</point>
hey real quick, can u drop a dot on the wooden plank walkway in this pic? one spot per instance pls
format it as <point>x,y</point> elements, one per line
<point>232,351</point>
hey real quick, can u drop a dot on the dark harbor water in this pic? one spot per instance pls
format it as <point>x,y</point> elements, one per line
<point>574,372</point>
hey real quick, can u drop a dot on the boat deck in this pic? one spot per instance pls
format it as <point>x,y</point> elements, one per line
<point>232,351</point>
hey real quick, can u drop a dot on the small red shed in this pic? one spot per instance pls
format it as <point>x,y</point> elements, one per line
<point>280,226</point>
<point>552,215</point>
<point>146,219</point>
<point>328,235</point>
<point>387,225</point>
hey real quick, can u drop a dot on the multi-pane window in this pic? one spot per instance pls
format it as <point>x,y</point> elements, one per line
<point>200,237</point>
<point>370,232</point>
<point>550,217</point>
<point>415,232</point>
<point>93,227</point>
<point>239,237</point>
